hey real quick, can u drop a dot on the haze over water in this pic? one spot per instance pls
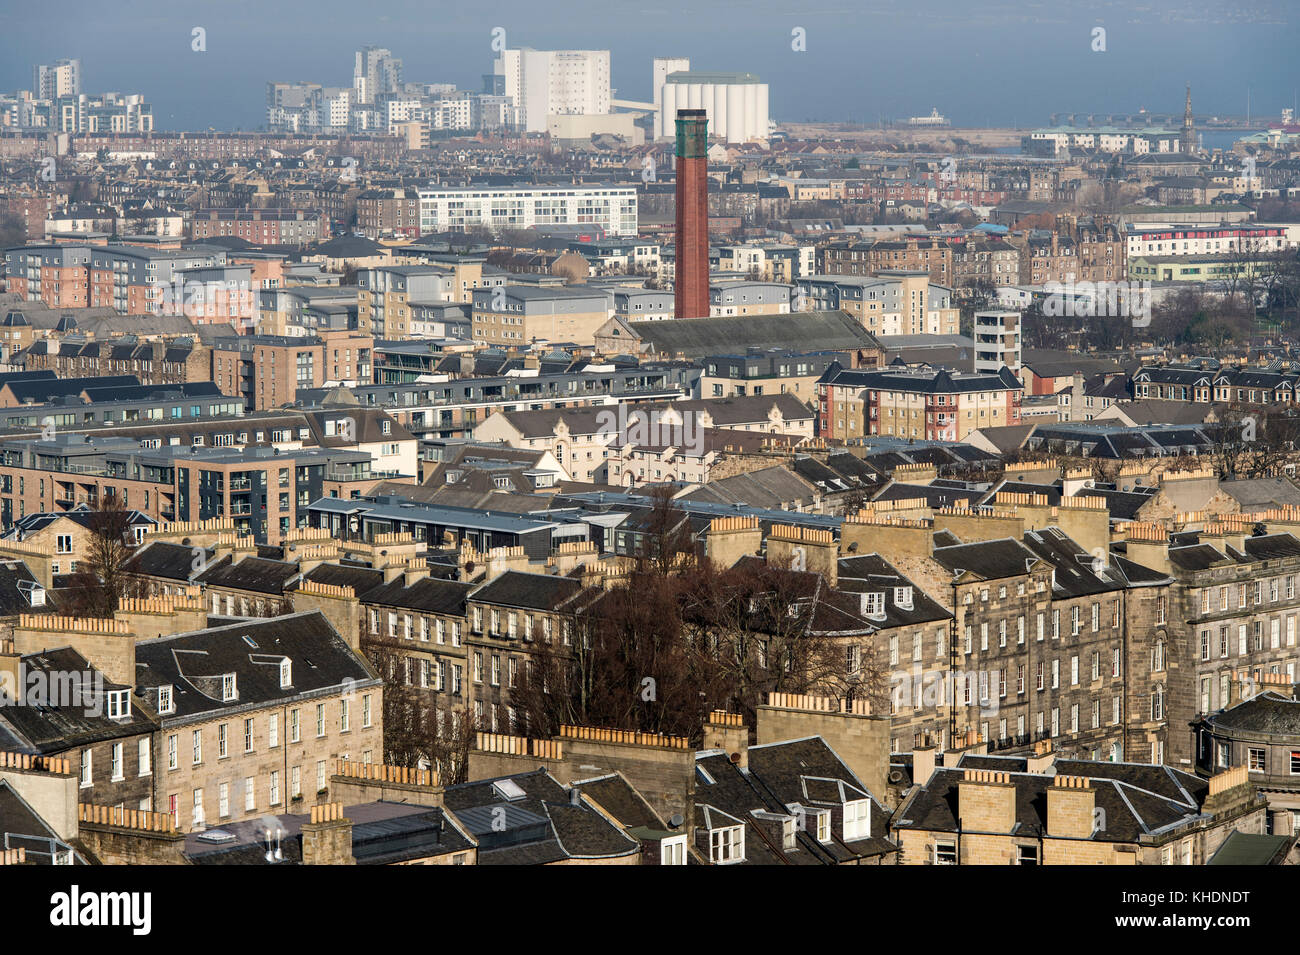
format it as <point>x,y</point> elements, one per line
<point>994,63</point>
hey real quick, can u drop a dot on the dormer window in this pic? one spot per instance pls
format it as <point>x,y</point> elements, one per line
<point>228,689</point>
<point>672,851</point>
<point>33,591</point>
<point>788,834</point>
<point>119,704</point>
<point>857,819</point>
<point>166,702</point>
<point>873,604</point>
<point>286,673</point>
<point>727,845</point>
<point>818,822</point>
<point>903,597</point>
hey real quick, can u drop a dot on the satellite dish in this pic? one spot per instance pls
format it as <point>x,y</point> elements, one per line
<point>675,822</point>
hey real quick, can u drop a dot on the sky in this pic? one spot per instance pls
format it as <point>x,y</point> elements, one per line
<point>979,62</point>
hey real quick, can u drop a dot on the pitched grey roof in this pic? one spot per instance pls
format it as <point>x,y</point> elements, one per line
<point>697,337</point>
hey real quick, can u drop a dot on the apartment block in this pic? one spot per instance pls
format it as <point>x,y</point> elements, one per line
<point>893,303</point>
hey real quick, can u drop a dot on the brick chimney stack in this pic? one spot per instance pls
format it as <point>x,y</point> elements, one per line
<point>691,286</point>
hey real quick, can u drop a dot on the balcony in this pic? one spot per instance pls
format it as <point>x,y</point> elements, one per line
<point>344,475</point>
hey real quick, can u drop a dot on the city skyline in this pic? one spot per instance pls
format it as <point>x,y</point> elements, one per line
<point>1143,65</point>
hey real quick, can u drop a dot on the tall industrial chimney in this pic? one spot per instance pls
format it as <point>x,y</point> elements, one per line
<point>691,289</point>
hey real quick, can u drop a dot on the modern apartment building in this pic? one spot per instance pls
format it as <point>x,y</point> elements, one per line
<point>261,226</point>
<point>386,296</point>
<point>61,78</point>
<point>903,302</point>
<point>522,314</point>
<point>997,341</point>
<point>927,404</point>
<point>612,209</point>
<point>268,370</point>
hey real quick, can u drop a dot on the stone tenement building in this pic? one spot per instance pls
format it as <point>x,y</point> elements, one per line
<point>934,256</point>
<point>1043,644</point>
<point>1232,616</point>
<point>1262,736</point>
<point>248,717</point>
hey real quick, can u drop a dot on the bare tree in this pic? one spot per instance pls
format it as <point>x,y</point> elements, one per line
<point>1252,443</point>
<point>417,732</point>
<point>666,542</point>
<point>100,582</point>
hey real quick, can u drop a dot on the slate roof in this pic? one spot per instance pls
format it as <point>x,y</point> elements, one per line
<point>1123,505</point>
<point>165,559</point>
<point>1199,556</point>
<point>542,825</point>
<point>987,560</point>
<point>527,591</point>
<point>56,726</point>
<point>383,833</point>
<point>773,487</point>
<point>16,586</point>
<point>938,381</point>
<point>80,515</point>
<point>1249,848</point>
<point>1138,799</point>
<point>618,797</point>
<point>41,390</point>
<point>936,495</point>
<point>194,663</point>
<point>428,595</point>
<point>1262,493</point>
<point>1268,713</point>
<point>872,572</point>
<point>22,827</point>
<point>1078,572</point>
<point>781,779</point>
<point>699,337</point>
<point>253,574</point>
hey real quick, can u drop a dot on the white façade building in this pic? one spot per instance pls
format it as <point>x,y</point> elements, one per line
<point>611,208</point>
<point>545,83</point>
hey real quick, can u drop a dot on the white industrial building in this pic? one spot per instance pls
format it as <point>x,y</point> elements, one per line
<point>611,208</point>
<point>545,83</point>
<point>736,104</point>
<point>664,66</point>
